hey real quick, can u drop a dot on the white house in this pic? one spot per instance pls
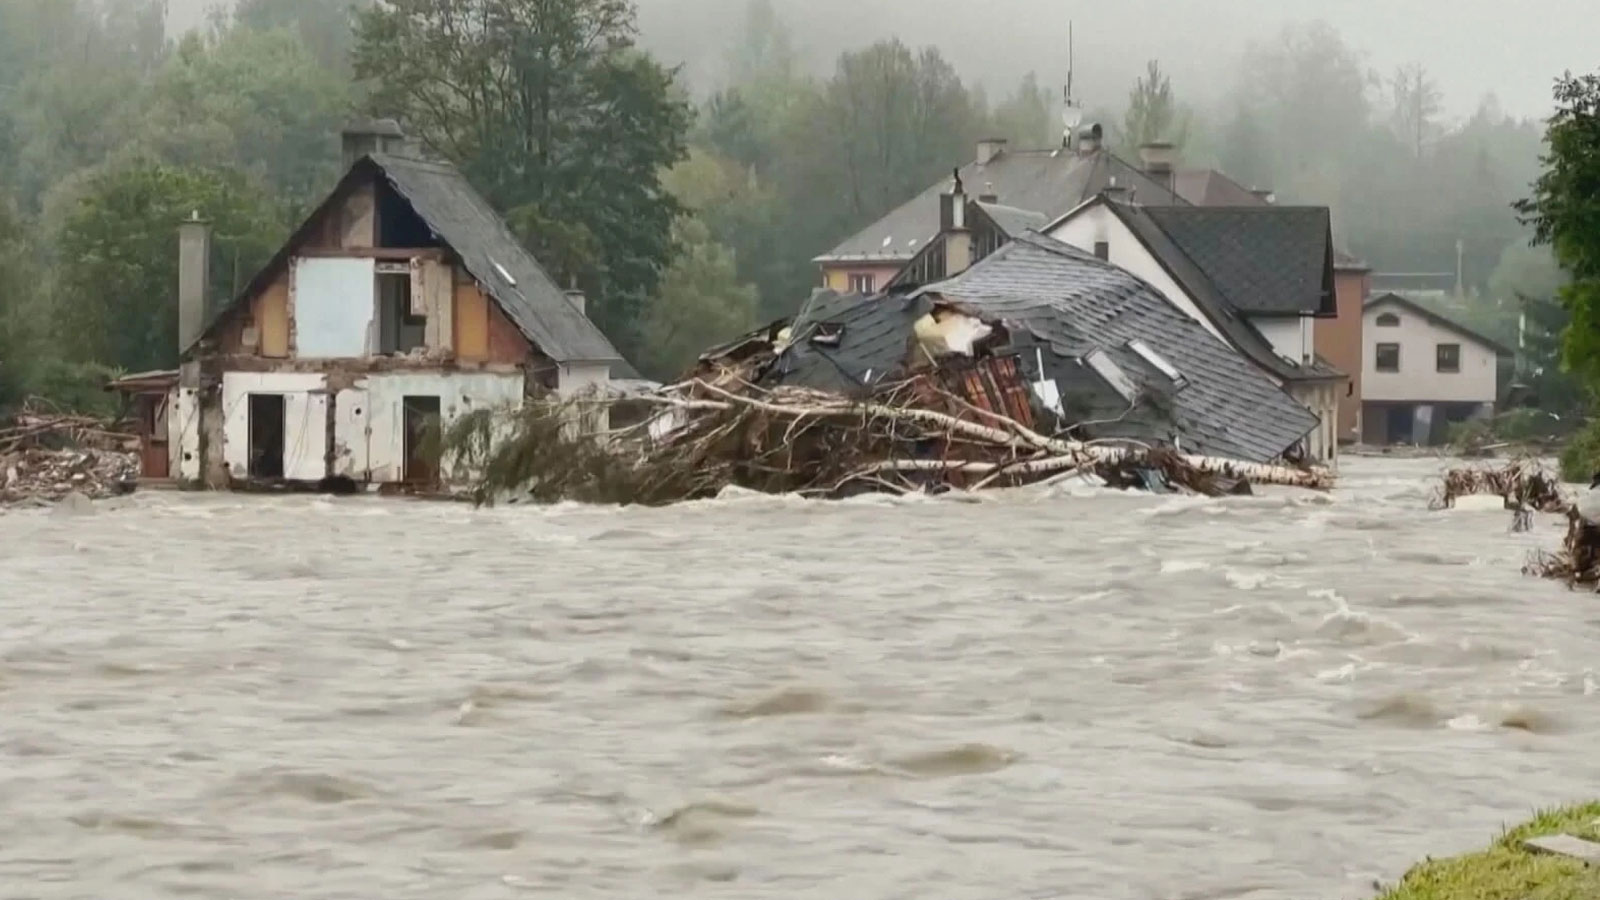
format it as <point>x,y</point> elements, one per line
<point>1256,277</point>
<point>1422,372</point>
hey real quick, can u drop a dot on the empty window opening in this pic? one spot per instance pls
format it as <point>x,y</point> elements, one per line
<point>421,417</point>
<point>400,330</point>
<point>398,224</point>
<point>1449,358</point>
<point>1102,250</point>
<point>1388,320</point>
<point>266,423</point>
<point>1388,357</point>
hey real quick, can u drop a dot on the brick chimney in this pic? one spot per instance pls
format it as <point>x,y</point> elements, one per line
<point>194,278</point>
<point>374,136</point>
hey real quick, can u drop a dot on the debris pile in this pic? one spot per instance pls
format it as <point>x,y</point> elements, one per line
<point>1525,485</point>
<point>46,455</point>
<point>964,427</point>
<point>1578,561</point>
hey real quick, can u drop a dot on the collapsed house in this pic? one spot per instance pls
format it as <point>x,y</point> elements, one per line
<point>1091,348</point>
<point>402,300</point>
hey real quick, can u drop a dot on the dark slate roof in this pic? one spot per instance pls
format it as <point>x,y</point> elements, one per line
<point>876,334</point>
<point>1213,302</point>
<point>1051,182</point>
<point>1272,260</point>
<point>1208,187</point>
<point>1011,220</point>
<point>1438,317</point>
<point>1077,303</point>
<point>464,220</point>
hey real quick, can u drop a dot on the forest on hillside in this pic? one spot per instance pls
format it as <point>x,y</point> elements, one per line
<point>685,218</point>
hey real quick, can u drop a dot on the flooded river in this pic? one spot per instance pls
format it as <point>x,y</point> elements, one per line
<point>1079,695</point>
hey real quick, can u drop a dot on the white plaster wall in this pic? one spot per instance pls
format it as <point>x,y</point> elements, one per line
<point>575,378</point>
<point>1290,337</point>
<point>335,306</point>
<point>1418,379</point>
<point>1322,443</point>
<point>183,434</point>
<point>1094,222</point>
<point>305,408</point>
<point>376,437</point>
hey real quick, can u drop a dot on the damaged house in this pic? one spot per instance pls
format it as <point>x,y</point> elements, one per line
<point>402,300</point>
<point>1082,342</point>
<point>1259,278</point>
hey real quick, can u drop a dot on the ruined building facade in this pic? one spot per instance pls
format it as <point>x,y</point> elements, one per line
<point>402,300</point>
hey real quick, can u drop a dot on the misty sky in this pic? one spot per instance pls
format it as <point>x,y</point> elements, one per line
<point>1473,47</point>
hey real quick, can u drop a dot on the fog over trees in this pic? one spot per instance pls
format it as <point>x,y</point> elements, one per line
<point>690,157</point>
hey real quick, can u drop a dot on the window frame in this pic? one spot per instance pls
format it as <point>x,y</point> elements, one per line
<point>1393,320</point>
<point>861,282</point>
<point>1377,357</point>
<point>1438,358</point>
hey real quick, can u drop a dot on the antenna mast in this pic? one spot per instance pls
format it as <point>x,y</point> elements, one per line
<point>1071,114</point>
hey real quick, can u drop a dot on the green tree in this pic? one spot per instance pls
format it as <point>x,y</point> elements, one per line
<point>1154,113</point>
<point>1564,211</point>
<point>19,332</point>
<point>326,28</point>
<point>701,303</point>
<point>1030,117</point>
<point>254,100</point>
<point>880,131</point>
<point>116,303</point>
<point>549,109</point>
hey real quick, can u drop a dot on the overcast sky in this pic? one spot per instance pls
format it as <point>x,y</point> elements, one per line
<point>1473,47</point>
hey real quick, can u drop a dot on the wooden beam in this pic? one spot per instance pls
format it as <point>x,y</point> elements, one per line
<point>395,253</point>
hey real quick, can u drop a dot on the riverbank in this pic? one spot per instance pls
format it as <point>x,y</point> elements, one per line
<point>1508,870</point>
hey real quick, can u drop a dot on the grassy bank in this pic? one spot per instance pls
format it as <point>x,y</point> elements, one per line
<point>1507,871</point>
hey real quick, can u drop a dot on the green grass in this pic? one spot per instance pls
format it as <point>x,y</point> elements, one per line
<point>1506,871</point>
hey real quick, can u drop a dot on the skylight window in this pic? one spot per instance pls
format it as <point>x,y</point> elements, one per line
<point>1160,362</point>
<point>1106,368</point>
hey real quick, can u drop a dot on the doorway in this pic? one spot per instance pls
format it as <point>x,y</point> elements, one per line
<point>266,435</point>
<point>421,417</point>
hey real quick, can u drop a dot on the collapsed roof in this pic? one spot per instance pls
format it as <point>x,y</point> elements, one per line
<point>1109,348</point>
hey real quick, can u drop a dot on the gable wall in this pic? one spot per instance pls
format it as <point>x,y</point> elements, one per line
<point>1419,379</point>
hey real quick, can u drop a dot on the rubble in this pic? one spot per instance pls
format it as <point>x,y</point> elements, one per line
<point>47,455</point>
<point>1525,485</point>
<point>1578,561</point>
<point>934,430</point>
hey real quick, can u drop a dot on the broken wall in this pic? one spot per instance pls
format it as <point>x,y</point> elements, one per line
<point>305,412</point>
<point>369,426</point>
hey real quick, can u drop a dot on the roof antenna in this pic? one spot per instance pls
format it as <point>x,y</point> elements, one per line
<point>1071,112</point>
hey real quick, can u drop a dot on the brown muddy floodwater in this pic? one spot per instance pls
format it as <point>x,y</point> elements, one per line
<point>1080,695</point>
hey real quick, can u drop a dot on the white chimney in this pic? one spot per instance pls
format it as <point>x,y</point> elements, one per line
<point>1158,157</point>
<point>989,149</point>
<point>194,277</point>
<point>577,299</point>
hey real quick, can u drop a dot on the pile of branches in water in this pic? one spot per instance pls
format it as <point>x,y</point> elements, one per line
<point>1578,562</point>
<point>1525,485</point>
<point>909,436</point>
